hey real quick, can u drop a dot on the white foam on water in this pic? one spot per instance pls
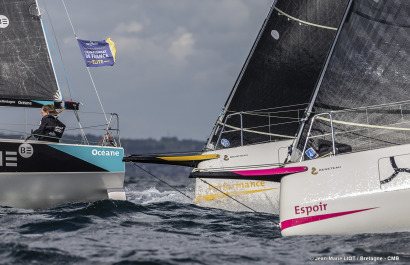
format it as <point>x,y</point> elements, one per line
<point>153,195</point>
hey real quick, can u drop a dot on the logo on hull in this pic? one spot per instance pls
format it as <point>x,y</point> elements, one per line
<point>218,196</point>
<point>225,142</point>
<point>26,150</point>
<point>96,152</point>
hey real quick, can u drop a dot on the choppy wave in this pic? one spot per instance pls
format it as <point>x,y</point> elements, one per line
<point>164,227</point>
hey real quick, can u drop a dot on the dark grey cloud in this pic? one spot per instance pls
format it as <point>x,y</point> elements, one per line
<point>177,60</point>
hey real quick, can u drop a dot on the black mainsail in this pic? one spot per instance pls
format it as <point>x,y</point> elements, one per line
<point>365,86</point>
<point>26,73</point>
<point>281,70</point>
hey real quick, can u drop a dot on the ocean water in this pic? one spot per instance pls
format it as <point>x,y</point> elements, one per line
<point>158,225</point>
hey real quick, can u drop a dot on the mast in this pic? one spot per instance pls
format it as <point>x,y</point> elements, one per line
<point>279,74</point>
<point>316,90</point>
<point>361,101</point>
<point>235,87</point>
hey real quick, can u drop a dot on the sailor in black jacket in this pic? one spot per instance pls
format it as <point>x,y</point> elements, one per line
<point>51,129</point>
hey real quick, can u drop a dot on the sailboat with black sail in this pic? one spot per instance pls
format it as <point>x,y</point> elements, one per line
<point>355,141</point>
<point>37,174</point>
<point>250,140</point>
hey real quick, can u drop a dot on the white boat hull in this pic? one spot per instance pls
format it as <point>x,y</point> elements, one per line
<point>348,194</point>
<point>261,196</point>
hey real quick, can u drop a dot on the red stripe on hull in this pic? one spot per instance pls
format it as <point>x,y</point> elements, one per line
<point>311,219</point>
<point>272,171</point>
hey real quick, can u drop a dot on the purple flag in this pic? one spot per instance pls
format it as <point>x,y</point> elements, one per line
<point>97,53</point>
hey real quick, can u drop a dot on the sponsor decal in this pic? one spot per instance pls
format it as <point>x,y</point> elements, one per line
<point>275,34</point>
<point>393,168</point>
<point>28,103</point>
<point>5,101</point>
<point>219,195</point>
<point>241,185</point>
<point>25,103</point>
<point>96,152</point>
<point>308,209</point>
<point>310,219</point>
<point>91,43</point>
<point>4,22</point>
<point>244,155</point>
<point>26,150</point>
<point>109,159</point>
<point>10,159</point>
<point>225,142</point>
<point>311,153</point>
<point>226,157</point>
<point>316,171</point>
<point>329,168</point>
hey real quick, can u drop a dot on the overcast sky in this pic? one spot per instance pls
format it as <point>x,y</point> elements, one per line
<point>177,60</point>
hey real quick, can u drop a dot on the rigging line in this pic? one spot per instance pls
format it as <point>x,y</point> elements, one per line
<point>47,37</point>
<point>251,131</point>
<point>355,133</point>
<point>69,19</point>
<point>304,22</point>
<point>239,78</point>
<point>87,127</point>
<point>23,132</point>
<point>264,126</point>
<point>75,111</point>
<point>91,112</point>
<point>61,64</point>
<point>274,108</point>
<point>89,73</point>
<point>373,107</point>
<point>273,112</point>
<point>135,164</point>
<point>98,96</point>
<point>365,125</point>
<point>60,57</point>
<point>269,116</point>
<point>227,195</point>
<point>283,107</point>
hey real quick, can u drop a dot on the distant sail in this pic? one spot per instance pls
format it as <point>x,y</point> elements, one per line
<point>281,70</point>
<point>26,72</point>
<point>98,53</point>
